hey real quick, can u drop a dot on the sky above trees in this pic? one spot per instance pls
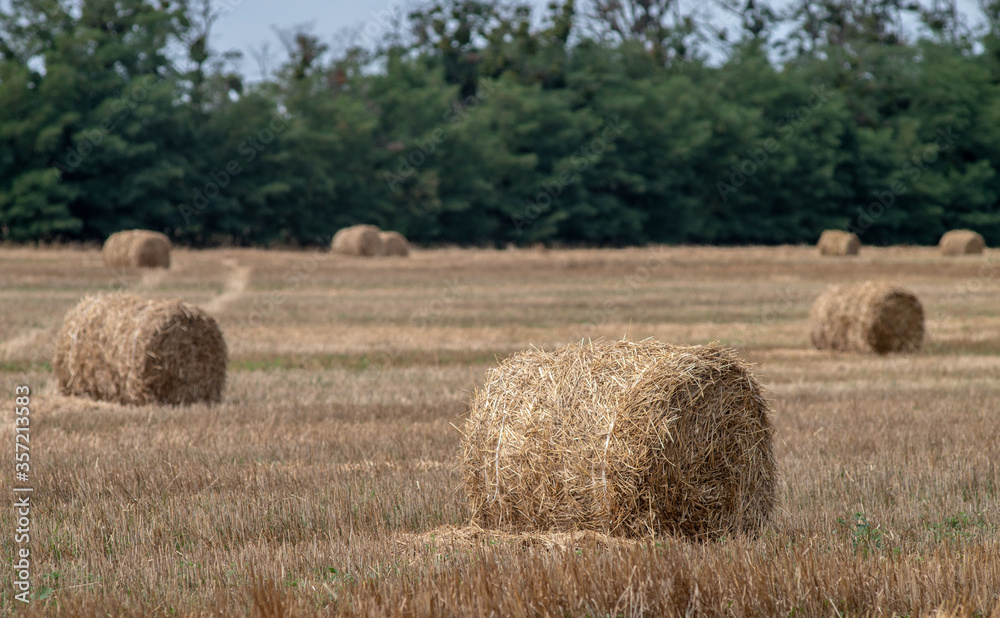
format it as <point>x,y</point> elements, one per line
<point>251,26</point>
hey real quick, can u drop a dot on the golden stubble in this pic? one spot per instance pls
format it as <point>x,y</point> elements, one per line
<point>327,481</point>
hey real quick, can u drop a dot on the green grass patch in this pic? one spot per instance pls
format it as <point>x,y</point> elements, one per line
<point>360,362</point>
<point>959,525</point>
<point>988,347</point>
<point>25,367</point>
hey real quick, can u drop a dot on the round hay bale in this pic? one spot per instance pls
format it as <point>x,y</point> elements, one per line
<point>874,316</point>
<point>394,243</point>
<point>961,242</point>
<point>625,438</point>
<point>136,249</point>
<point>124,349</point>
<point>360,240</point>
<point>838,242</point>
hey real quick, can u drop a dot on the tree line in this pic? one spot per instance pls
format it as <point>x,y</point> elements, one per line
<point>610,122</point>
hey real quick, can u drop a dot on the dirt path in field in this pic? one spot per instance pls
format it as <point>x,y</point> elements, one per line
<point>236,283</point>
<point>27,343</point>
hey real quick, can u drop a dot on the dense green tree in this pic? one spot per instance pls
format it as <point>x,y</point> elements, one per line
<point>97,137</point>
<point>603,122</point>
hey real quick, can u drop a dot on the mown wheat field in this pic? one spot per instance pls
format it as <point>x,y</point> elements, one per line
<point>326,482</point>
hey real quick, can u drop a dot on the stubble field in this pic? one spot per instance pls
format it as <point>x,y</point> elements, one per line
<point>327,482</point>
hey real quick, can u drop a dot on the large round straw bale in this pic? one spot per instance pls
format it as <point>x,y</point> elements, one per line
<point>626,438</point>
<point>124,349</point>
<point>838,242</point>
<point>136,249</point>
<point>874,316</point>
<point>961,242</point>
<point>394,243</point>
<point>361,240</point>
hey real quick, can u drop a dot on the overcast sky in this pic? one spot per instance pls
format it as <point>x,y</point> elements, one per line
<point>249,24</point>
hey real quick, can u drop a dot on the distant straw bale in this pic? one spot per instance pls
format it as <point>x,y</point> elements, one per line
<point>869,317</point>
<point>624,438</point>
<point>838,242</point>
<point>136,249</point>
<point>394,243</point>
<point>362,240</point>
<point>120,348</point>
<point>961,242</point>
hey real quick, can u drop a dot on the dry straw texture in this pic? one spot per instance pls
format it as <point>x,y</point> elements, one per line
<point>472,537</point>
<point>136,249</point>
<point>838,242</point>
<point>360,240</point>
<point>394,243</point>
<point>961,242</point>
<point>124,349</point>
<point>623,438</point>
<point>874,316</point>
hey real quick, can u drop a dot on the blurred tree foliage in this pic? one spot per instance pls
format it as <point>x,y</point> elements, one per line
<point>602,122</point>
